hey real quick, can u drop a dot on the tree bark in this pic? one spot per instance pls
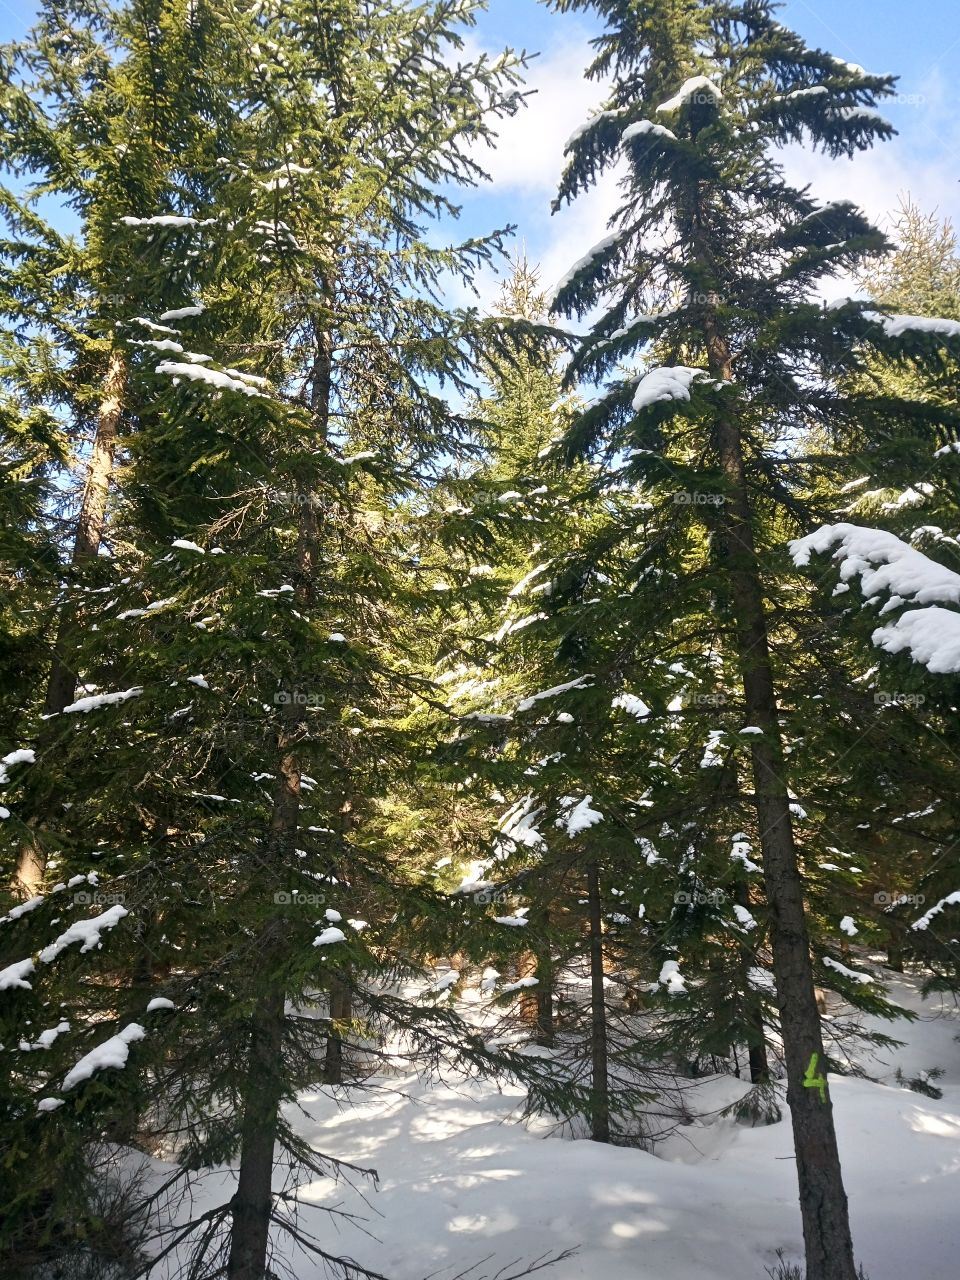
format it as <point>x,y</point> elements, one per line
<point>756,1036</point>
<point>252,1203</point>
<point>600,1106</point>
<point>62,679</point>
<point>545,1033</point>
<point>341,1011</point>
<point>823,1201</point>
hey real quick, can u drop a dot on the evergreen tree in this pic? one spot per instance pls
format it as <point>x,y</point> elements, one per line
<point>103,111</point>
<point>267,621</point>
<point>910,490</point>
<point>713,255</point>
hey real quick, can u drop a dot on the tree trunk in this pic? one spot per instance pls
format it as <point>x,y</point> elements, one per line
<point>545,1028</point>
<point>823,1201</point>
<point>536,1003</point>
<point>341,1011</point>
<point>756,1036</point>
<point>527,968</point>
<point>600,1106</point>
<point>263,1089</point>
<point>252,1203</point>
<point>62,679</point>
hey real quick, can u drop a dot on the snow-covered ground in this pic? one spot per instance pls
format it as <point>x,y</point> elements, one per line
<point>462,1185</point>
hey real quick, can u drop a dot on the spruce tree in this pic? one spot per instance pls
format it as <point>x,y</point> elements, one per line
<point>266,624</point>
<point>899,500</point>
<point>714,256</point>
<point>104,112</point>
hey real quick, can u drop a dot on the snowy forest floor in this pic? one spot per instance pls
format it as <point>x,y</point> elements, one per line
<point>463,1187</point>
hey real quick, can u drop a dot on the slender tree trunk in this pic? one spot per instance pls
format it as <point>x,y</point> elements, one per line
<point>527,968</point>
<point>823,1201</point>
<point>757,1052</point>
<point>545,1029</point>
<point>536,1003</point>
<point>341,1011</point>
<point>62,679</point>
<point>600,1113</point>
<point>756,1036</point>
<point>263,1089</point>
<point>252,1203</point>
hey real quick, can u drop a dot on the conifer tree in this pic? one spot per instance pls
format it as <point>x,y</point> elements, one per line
<point>905,484</point>
<point>268,619</point>
<point>714,255</point>
<point>102,111</point>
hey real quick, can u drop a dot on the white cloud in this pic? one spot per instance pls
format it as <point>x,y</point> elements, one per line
<point>529,150</point>
<point>922,161</point>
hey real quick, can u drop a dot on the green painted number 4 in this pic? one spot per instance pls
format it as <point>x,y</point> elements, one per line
<point>812,1081</point>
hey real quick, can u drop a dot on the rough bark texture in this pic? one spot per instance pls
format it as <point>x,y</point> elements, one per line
<point>62,679</point>
<point>823,1201</point>
<point>536,1003</point>
<point>600,1113</point>
<point>252,1202</point>
<point>545,1033</point>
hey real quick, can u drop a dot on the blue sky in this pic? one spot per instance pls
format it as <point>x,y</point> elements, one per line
<point>923,48</point>
<point>919,41</point>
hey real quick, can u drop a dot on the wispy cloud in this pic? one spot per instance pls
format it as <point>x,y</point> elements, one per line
<point>922,161</point>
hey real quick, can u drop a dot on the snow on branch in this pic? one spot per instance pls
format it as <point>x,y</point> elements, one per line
<point>883,563</point>
<point>213,378</point>
<point>897,326</point>
<point>598,250</point>
<point>645,128</point>
<point>85,931</point>
<point>886,565</point>
<point>527,703</point>
<point>699,87</point>
<point>930,636</point>
<point>578,816</point>
<point>112,1053</point>
<point>951,900</point>
<point>667,383</point>
<point>585,128</point>
<point>852,975</point>
<point>168,220</point>
<point>96,700</point>
<point>15,975</point>
<point>182,313</point>
<point>24,756</point>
